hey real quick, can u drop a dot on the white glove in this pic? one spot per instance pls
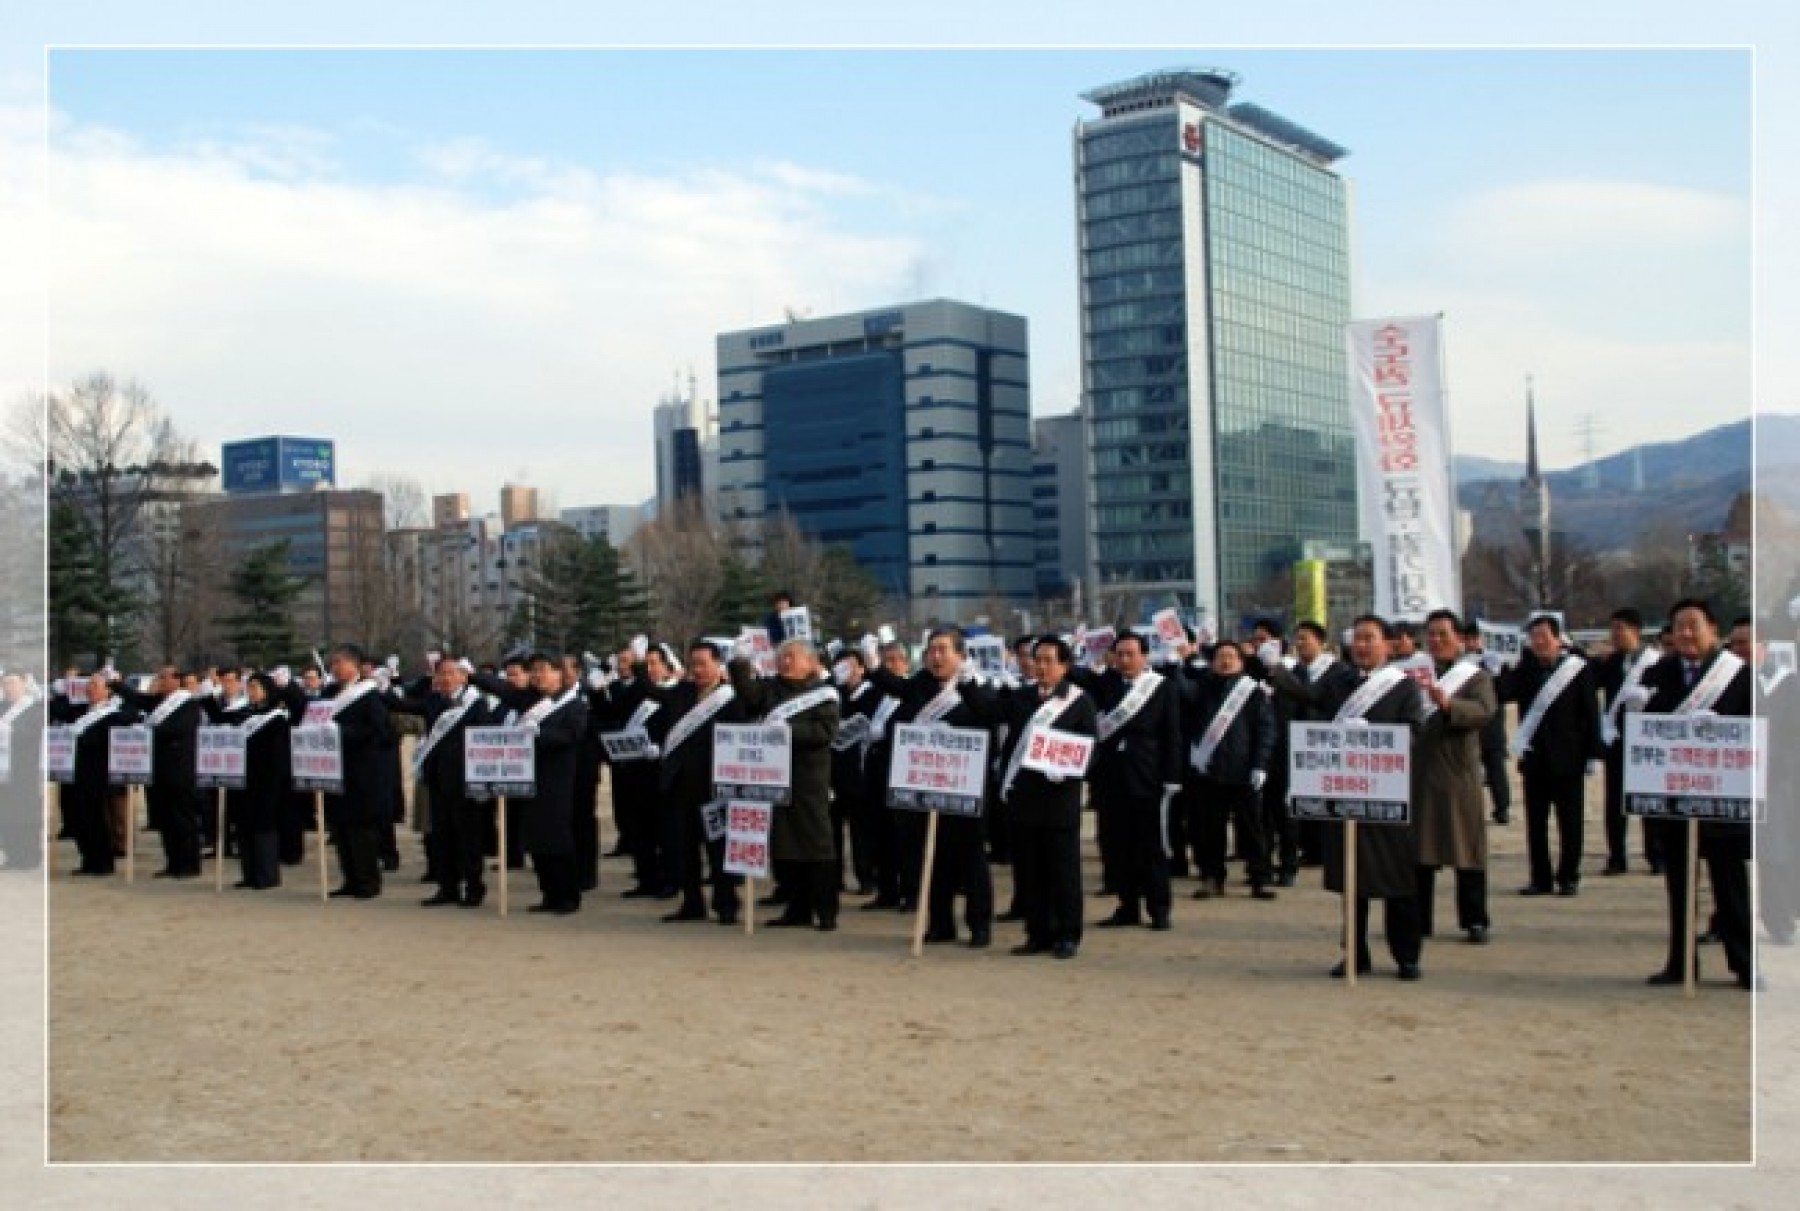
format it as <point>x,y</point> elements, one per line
<point>1269,654</point>
<point>393,666</point>
<point>871,650</point>
<point>885,633</point>
<point>640,646</point>
<point>652,752</point>
<point>1636,696</point>
<point>1593,767</point>
<point>1055,779</point>
<point>968,673</point>
<point>381,678</point>
<point>209,688</point>
<point>1492,662</point>
<point>1170,790</point>
<point>742,649</point>
<point>59,687</point>
<point>591,661</point>
<point>1257,778</point>
<point>281,676</point>
<point>431,660</point>
<point>465,666</point>
<point>596,680</point>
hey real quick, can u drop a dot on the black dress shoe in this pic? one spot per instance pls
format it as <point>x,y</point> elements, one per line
<point>1568,889</point>
<point>1122,920</point>
<point>391,863</point>
<point>1030,948</point>
<point>1209,888</point>
<point>365,895</point>
<point>1161,924</point>
<point>164,873</point>
<point>342,892</point>
<point>1362,969</point>
<point>980,939</point>
<point>1502,818</point>
<point>1284,878</point>
<point>935,937</point>
<point>1410,971</point>
<point>1614,867</point>
<point>728,918</point>
<point>1709,938</point>
<point>566,908</point>
<point>1536,889</point>
<point>441,899</point>
<point>1065,949</point>
<point>544,907</point>
<point>1664,978</point>
<point>825,926</point>
<point>789,921</point>
<point>1478,935</point>
<point>429,876</point>
<point>685,914</point>
<point>241,884</point>
<point>1261,893</point>
<point>473,899</point>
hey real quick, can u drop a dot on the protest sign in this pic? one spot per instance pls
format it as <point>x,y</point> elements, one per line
<point>753,762</point>
<point>1695,767</point>
<point>1339,772</point>
<point>633,744</point>
<point>988,653</point>
<point>939,769</point>
<point>796,623</point>
<point>129,757</point>
<point>220,757</point>
<point>499,762</point>
<point>59,753</point>
<point>318,758</point>
<point>747,839</point>
<point>1057,754</point>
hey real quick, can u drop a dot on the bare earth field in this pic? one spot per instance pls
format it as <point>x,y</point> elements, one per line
<point>188,1027</point>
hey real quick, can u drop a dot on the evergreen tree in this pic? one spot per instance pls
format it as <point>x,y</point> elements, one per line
<point>85,612</point>
<point>743,596</point>
<point>846,601</point>
<point>262,632</point>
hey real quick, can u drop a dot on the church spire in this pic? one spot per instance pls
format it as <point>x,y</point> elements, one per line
<point>1531,450</point>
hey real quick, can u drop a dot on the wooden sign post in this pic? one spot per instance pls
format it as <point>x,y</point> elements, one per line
<point>1690,961</point>
<point>319,823</point>
<point>130,762</point>
<point>1350,775</point>
<point>939,770</point>
<point>499,762</point>
<point>500,824</point>
<point>131,834</point>
<point>221,763</point>
<point>219,850</point>
<point>752,774</point>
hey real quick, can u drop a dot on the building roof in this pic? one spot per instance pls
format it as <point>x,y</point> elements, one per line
<point>1289,134</point>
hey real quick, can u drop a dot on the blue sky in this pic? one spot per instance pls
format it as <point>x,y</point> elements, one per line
<point>361,243</point>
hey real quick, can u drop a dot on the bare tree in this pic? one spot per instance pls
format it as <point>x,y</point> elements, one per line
<point>680,557</point>
<point>403,501</point>
<point>790,560</point>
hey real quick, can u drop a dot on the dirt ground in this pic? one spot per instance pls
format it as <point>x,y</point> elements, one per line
<point>185,1026</point>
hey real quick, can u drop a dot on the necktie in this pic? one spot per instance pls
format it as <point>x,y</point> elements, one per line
<point>1693,673</point>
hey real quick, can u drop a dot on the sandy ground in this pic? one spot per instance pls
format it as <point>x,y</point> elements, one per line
<point>266,1027</point>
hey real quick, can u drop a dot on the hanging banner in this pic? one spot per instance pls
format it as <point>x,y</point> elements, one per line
<point>1403,464</point>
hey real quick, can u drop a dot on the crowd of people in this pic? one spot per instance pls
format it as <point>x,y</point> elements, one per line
<point>1189,771</point>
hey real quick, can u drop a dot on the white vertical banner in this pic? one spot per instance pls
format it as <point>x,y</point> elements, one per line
<point>1407,502</point>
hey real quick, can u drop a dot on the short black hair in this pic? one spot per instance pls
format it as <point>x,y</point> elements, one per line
<point>1631,616</point>
<point>1742,620</point>
<point>1316,630</point>
<point>1470,629</point>
<point>1064,655</point>
<point>1381,624</point>
<point>351,650</point>
<point>1694,603</point>
<point>958,639</point>
<point>1545,620</point>
<point>513,658</point>
<point>702,644</point>
<point>1271,625</point>
<point>781,595</point>
<point>1403,628</point>
<point>1134,637</point>
<point>1456,624</point>
<point>1023,641</point>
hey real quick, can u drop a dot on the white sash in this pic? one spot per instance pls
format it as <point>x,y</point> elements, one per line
<point>544,707</point>
<point>262,719</point>
<point>853,732</point>
<point>14,711</point>
<point>167,707</point>
<point>697,718</point>
<point>1782,673</point>
<point>1707,691</point>
<point>1215,731</point>
<point>237,704</point>
<point>1634,677</point>
<point>1127,710</point>
<point>1317,668</point>
<point>883,713</point>
<point>1565,673</point>
<point>99,712</point>
<point>940,706</point>
<point>802,704</point>
<point>1453,680</point>
<point>441,728</point>
<point>1045,715</point>
<point>1369,693</point>
<point>356,690</point>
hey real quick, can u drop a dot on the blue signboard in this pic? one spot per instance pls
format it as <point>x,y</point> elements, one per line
<point>278,464</point>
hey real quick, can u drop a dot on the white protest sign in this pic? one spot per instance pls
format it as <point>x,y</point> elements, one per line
<point>714,816</point>
<point>1420,667</point>
<point>1058,754</point>
<point>318,755</point>
<point>318,713</point>
<point>988,652</point>
<point>1096,645</point>
<point>1505,641</point>
<point>797,623</point>
<point>499,762</point>
<point>852,732</point>
<point>220,757</point>
<point>753,762</point>
<point>632,744</point>
<point>76,690</point>
<point>59,753</point>
<point>129,759</point>
<point>762,651</point>
<point>939,769</point>
<point>1339,772</point>
<point>747,839</point>
<point>1166,624</point>
<point>1695,767</point>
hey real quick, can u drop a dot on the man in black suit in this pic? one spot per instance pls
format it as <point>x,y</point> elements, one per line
<point>1698,677</point>
<point>86,801</point>
<point>174,716</point>
<point>1297,696</point>
<point>1386,854</point>
<point>1136,773</point>
<point>363,810</point>
<point>681,764</point>
<point>1625,666</point>
<point>1046,809</point>
<point>1231,743</point>
<point>553,714</point>
<point>450,706</point>
<point>1558,745</point>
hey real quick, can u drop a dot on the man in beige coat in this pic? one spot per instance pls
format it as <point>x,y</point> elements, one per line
<point>1447,794</point>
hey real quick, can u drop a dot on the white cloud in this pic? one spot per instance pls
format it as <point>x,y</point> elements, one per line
<point>435,329</point>
<point>1627,301</point>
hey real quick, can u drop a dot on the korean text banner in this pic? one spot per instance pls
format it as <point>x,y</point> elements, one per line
<point>1403,463</point>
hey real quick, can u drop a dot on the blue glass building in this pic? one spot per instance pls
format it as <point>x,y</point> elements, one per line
<point>1215,285</point>
<point>901,433</point>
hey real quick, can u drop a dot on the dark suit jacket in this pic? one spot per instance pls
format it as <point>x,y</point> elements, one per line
<point>1035,800</point>
<point>1569,735</point>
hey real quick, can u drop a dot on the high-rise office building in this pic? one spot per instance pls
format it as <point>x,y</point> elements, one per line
<point>1058,490</point>
<point>687,450</point>
<point>902,433</point>
<point>1215,286</point>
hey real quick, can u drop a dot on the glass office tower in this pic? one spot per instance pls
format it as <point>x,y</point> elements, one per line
<point>1215,285</point>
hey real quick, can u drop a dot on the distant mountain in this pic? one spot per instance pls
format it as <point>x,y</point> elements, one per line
<point>1473,469</point>
<point>1694,480</point>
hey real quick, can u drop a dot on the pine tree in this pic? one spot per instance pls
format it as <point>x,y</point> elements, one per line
<point>85,611</point>
<point>742,599</point>
<point>262,632</point>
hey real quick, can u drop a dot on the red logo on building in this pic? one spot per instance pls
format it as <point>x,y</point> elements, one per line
<point>1190,138</point>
